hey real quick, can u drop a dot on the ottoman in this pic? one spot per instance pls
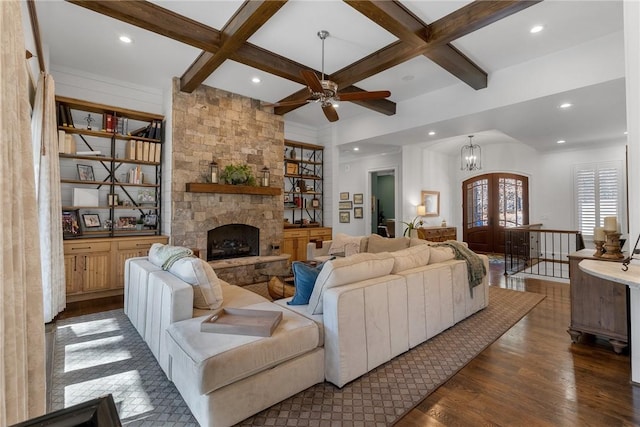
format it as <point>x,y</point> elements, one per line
<point>226,378</point>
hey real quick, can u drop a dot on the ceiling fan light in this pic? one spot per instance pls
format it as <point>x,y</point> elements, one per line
<point>334,104</point>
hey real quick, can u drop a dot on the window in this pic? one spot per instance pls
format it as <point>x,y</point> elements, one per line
<point>599,191</point>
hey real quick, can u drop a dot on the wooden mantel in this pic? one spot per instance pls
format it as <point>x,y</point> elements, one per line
<point>203,187</point>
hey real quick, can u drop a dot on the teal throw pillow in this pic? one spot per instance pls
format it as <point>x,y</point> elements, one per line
<point>304,278</point>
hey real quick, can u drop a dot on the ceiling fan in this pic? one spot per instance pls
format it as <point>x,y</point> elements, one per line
<point>326,92</point>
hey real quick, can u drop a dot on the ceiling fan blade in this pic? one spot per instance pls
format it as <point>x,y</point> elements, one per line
<point>357,96</point>
<point>312,81</point>
<point>287,103</point>
<point>330,112</point>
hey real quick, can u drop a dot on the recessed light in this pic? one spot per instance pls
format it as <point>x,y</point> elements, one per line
<point>125,39</point>
<point>255,79</point>
<point>431,133</point>
<point>536,29</point>
<point>626,133</point>
<point>356,149</point>
<point>561,141</point>
<point>566,105</point>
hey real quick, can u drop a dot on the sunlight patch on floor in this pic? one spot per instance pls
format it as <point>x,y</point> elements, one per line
<point>93,327</point>
<point>89,354</point>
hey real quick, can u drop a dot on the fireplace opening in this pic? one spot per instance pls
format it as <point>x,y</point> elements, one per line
<point>233,241</point>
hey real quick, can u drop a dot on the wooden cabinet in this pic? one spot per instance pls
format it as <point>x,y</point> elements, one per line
<point>109,169</point>
<point>94,268</point>
<point>437,234</point>
<point>296,239</point>
<point>598,307</point>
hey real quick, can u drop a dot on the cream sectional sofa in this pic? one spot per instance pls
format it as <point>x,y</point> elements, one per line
<point>365,309</point>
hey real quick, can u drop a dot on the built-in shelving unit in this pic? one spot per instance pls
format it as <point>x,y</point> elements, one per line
<point>303,184</point>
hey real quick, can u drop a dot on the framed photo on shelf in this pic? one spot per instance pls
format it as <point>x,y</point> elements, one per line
<point>345,216</point>
<point>431,202</point>
<point>112,199</point>
<point>358,198</point>
<point>151,220</point>
<point>71,224</point>
<point>91,220</point>
<point>126,222</point>
<point>85,173</point>
<point>345,205</point>
<point>146,196</point>
<point>315,203</point>
<point>344,195</point>
<point>357,212</point>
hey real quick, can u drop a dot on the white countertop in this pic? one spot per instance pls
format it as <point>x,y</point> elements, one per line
<point>612,271</point>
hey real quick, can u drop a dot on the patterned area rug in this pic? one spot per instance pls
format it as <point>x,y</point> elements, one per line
<point>102,353</point>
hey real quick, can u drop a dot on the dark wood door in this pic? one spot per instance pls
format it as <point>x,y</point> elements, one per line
<point>491,203</point>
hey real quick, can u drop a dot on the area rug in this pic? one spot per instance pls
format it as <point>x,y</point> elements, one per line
<point>102,353</point>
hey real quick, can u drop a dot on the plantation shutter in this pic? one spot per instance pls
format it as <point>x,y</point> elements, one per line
<point>598,189</point>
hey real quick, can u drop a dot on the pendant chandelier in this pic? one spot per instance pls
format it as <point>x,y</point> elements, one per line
<point>470,156</point>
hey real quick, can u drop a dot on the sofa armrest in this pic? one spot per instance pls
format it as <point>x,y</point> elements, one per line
<point>313,252</point>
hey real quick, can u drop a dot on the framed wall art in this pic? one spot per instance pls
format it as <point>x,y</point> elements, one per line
<point>345,216</point>
<point>358,198</point>
<point>431,202</point>
<point>345,205</point>
<point>358,212</point>
<point>344,195</point>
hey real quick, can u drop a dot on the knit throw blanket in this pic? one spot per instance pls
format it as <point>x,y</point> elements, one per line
<point>475,267</point>
<point>170,254</point>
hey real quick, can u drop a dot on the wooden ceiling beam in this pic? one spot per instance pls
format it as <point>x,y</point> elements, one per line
<point>399,21</point>
<point>156,19</point>
<point>243,24</point>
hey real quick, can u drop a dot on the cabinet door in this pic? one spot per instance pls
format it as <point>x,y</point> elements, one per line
<point>97,271</point>
<point>295,244</point>
<point>130,249</point>
<point>73,274</point>
<point>87,266</point>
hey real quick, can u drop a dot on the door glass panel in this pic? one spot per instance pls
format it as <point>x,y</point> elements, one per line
<point>510,194</point>
<point>478,203</point>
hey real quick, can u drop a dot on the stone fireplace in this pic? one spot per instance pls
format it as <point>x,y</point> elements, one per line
<point>233,241</point>
<point>211,124</point>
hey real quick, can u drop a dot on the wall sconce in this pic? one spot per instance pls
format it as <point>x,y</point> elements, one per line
<point>265,176</point>
<point>213,172</point>
<point>421,210</point>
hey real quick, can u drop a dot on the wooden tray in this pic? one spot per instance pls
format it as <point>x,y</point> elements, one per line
<point>242,321</point>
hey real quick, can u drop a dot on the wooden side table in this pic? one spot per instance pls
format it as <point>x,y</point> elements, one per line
<point>598,306</point>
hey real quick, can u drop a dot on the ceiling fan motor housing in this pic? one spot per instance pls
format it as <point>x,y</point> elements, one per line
<point>330,88</point>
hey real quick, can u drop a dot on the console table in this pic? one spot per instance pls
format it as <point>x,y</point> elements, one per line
<point>599,306</point>
<point>437,234</point>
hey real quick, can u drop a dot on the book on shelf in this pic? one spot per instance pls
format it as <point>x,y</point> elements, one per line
<point>66,144</point>
<point>69,116</point>
<point>136,175</point>
<point>145,151</point>
<point>139,149</point>
<point>158,149</point>
<point>142,132</point>
<point>108,122</point>
<point>61,141</point>
<point>130,150</point>
<point>152,152</point>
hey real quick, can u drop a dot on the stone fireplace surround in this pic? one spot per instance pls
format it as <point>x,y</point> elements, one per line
<point>211,124</point>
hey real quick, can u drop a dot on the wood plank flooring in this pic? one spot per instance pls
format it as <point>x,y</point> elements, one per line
<point>532,376</point>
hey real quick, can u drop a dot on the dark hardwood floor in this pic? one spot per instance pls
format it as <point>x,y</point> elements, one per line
<point>532,376</point>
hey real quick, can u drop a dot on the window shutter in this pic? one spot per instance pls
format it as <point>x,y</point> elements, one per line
<point>598,191</point>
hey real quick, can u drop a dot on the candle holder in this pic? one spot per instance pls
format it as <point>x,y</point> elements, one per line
<point>599,248</point>
<point>612,246</point>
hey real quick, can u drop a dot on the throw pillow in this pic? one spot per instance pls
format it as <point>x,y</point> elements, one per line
<point>405,259</point>
<point>440,254</point>
<point>304,278</point>
<point>343,271</point>
<point>345,245</point>
<point>379,244</point>
<point>207,292</point>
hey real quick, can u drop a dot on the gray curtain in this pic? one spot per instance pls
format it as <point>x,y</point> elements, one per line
<point>22,348</point>
<point>47,175</point>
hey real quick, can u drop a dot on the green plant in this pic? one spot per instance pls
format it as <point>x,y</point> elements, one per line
<point>140,220</point>
<point>238,174</point>
<point>412,225</point>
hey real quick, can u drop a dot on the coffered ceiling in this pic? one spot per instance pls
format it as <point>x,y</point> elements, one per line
<point>411,48</point>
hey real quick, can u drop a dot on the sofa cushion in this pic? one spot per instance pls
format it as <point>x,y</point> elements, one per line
<point>412,257</point>
<point>304,278</point>
<point>379,244</point>
<point>207,293</point>
<point>415,241</point>
<point>345,245</point>
<point>165,255</point>
<point>440,254</point>
<point>342,271</point>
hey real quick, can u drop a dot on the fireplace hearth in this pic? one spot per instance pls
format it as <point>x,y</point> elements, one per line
<point>233,241</point>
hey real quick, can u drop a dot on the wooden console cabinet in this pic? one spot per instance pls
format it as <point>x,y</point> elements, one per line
<point>94,268</point>
<point>296,239</point>
<point>598,307</point>
<point>437,234</point>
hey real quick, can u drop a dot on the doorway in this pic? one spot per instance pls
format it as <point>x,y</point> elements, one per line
<point>491,203</point>
<point>383,202</point>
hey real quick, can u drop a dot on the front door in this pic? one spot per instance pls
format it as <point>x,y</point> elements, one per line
<point>491,203</point>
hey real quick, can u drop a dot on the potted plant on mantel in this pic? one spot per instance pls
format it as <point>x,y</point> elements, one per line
<point>238,175</point>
